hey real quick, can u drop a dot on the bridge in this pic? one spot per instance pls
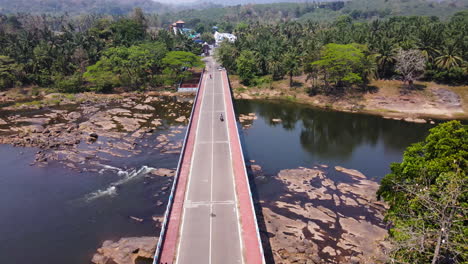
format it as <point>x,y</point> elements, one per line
<point>210,217</point>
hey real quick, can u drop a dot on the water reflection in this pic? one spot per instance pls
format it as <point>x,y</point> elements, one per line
<point>308,135</point>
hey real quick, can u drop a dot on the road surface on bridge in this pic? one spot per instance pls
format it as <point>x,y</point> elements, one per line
<point>210,231</point>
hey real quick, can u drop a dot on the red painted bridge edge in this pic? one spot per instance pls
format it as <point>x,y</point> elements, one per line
<point>169,240</point>
<point>252,246</point>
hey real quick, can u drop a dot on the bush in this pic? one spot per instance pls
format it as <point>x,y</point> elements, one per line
<point>69,84</point>
<point>455,75</point>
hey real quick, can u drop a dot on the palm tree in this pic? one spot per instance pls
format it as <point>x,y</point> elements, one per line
<point>385,57</point>
<point>448,58</point>
<point>291,64</point>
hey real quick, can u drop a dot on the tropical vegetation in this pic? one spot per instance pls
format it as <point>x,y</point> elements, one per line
<point>347,54</point>
<point>428,199</point>
<point>99,55</point>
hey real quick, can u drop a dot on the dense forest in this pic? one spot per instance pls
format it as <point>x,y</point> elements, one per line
<point>346,54</point>
<point>98,54</point>
<point>109,7</point>
<point>315,11</point>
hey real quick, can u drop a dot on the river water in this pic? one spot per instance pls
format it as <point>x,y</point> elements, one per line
<point>309,136</point>
<point>54,215</point>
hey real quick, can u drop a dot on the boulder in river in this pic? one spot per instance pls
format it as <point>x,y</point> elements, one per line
<point>163,172</point>
<point>126,250</point>
<point>144,107</point>
<point>319,219</point>
<point>181,119</point>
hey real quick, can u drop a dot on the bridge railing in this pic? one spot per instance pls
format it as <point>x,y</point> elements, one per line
<point>259,240</point>
<point>174,184</point>
<point>190,86</point>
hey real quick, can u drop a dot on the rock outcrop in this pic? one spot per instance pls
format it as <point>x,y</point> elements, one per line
<point>126,250</point>
<point>321,220</point>
<point>87,132</point>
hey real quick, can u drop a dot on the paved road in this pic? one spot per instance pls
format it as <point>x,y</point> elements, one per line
<point>210,231</point>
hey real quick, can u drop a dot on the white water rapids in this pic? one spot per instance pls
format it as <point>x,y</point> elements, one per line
<point>127,175</point>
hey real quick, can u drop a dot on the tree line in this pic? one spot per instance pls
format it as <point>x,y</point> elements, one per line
<point>111,52</point>
<point>346,54</point>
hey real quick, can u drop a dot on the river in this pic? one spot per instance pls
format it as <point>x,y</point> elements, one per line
<point>53,214</point>
<point>56,215</point>
<point>310,136</point>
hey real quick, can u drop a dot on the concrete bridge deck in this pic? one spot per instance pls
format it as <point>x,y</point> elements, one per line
<point>210,218</point>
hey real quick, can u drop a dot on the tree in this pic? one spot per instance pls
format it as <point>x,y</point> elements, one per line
<point>227,54</point>
<point>291,64</point>
<point>385,57</point>
<point>127,32</point>
<point>176,65</point>
<point>344,65</point>
<point>448,57</point>
<point>102,76</point>
<point>207,37</point>
<point>427,195</point>
<point>410,64</point>
<point>246,67</point>
<point>139,17</point>
<point>9,72</point>
<point>134,66</point>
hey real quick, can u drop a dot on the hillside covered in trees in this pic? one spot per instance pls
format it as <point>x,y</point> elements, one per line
<point>315,11</point>
<point>109,7</point>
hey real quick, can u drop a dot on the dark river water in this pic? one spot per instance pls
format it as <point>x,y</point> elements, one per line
<point>54,215</point>
<point>308,136</point>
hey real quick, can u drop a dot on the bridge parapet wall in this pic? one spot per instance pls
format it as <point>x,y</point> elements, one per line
<point>252,245</point>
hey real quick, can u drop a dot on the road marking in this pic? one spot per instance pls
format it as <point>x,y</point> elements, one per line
<point>215,111</point>
<point>209,203</point>
<point>215,142</point>
<point>189,175</point>
<point>212,171</point>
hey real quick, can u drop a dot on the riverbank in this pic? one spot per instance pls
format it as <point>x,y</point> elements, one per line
<point>82,130</point>
<point>385,98</point>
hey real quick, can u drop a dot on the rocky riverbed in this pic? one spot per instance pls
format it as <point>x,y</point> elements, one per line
<point>82,134</point>
<point>129,250</point>
<point>316,218</point>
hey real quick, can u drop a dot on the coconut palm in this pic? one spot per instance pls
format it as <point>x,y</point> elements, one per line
<point>449,57</point>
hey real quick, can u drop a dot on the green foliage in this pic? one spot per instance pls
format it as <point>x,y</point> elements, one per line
<point>133,67</point>
<point>101,76</point>
<point>9,71</point>
<point>342,64</point>
<point>127,32</point>
<point>176,63</point>
<point>312,11</point>
<point>427,196</point>
<point>290,48</point>
<point>246,67</point>
<point>56,52</point>
<point>207,37</point>
<point>70,84</point>
<point>227,54</point>
<point>110,7</point>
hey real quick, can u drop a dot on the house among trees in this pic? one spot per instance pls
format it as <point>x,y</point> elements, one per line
<point>220,37</point>
<point>178,26</point>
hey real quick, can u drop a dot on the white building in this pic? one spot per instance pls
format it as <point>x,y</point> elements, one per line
<point>220,37</point>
